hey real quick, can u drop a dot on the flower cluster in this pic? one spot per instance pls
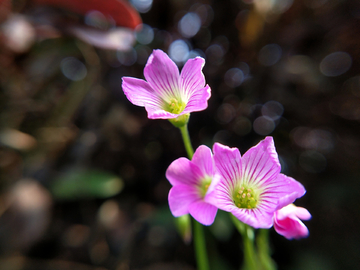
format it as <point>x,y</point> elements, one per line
<point>250,187</point>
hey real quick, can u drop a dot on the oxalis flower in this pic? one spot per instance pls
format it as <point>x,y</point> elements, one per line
<point>194,185</point>
<point>287,222</point>
<point>252,187</point>
<point>166,94</point>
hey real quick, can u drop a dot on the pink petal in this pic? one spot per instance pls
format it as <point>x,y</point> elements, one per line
<point>288,224</point>
<point>260,164</point>
<point>302,213</point>
<point>181,171</point>
<point>163,75</point>
<point>203,212</point>
<point>223,193</point>
<point>283,190</point>
<point>159,113</point>
<point>191,77</point>
<point>180,197</point>
<point>228,162</point>
<point>198,100</point>
<point>203,160</point>
<point>291,228</point>
<point>254,217</point>
<point>140,93</point>
<point>211,194</point>
<point>192,83</point>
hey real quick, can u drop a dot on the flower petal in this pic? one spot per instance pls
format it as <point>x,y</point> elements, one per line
<point>198,100</point>
<point>254,217</point>
<point>163,75</point>
<point>180,197</point>
<point>211,193</point>
<point>228,162</point>
<point>159,113</point>
<point>223,195</point>
<point>191,77</point>
<point>192,83</point>
<point>203,212</point>
<point>139,92</point>
<point>260,164</point>
<point>288,224</point>
<point>283,190</point>
<point>293,210</point>
<point>182,171</point>
<point>291,228</point>
<point>302,213</point>
<point>203,160</point>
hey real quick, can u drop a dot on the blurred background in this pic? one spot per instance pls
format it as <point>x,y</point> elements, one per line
<point>82,170</point>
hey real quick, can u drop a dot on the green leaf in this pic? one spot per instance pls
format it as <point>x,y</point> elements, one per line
<point>86,184</point>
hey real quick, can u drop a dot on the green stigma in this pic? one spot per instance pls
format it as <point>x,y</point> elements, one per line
<point>174,106</point>
<point>204,186</point>
<point>245,198</point>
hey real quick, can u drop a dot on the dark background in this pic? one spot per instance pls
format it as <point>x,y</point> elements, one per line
<point>83,170</point>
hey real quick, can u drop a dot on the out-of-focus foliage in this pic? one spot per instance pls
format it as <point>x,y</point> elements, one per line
<point>85,185</point>
<point>289,69</point>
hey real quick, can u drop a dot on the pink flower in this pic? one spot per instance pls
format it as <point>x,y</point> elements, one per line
<point>252,187</point>
<point>166,94</point>
<point>194,184</point>
<point>287,221</point>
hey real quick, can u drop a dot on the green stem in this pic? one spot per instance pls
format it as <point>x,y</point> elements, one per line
<point>247,233</point>
<point>262,241</point>
<point>199,237</point>
<point>200,247</point>
<point>187,142</point>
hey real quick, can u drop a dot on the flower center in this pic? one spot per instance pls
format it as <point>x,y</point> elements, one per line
<point>204,185</point>
<point>245,198</point>
<point>175,106</point>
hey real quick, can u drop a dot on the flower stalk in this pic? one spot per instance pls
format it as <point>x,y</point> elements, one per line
<point>187,142</point>
<point>199,237</point>
<point>262,242</point>
<point>200,247</point>
<point>247,233</point>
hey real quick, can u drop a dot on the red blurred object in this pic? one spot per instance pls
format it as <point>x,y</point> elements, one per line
<point>121,11</point>
<point>5,9</point>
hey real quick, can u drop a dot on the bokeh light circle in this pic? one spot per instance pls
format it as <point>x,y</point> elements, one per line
<point>144,34</point>
<point>73,69</point>
<point>270,54</point>
<point>234,77</point>
<point>189,25</point>
<point>263,125</point>
<point>179,51</point>
<point>272,109</point>
<point>335,64</point>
